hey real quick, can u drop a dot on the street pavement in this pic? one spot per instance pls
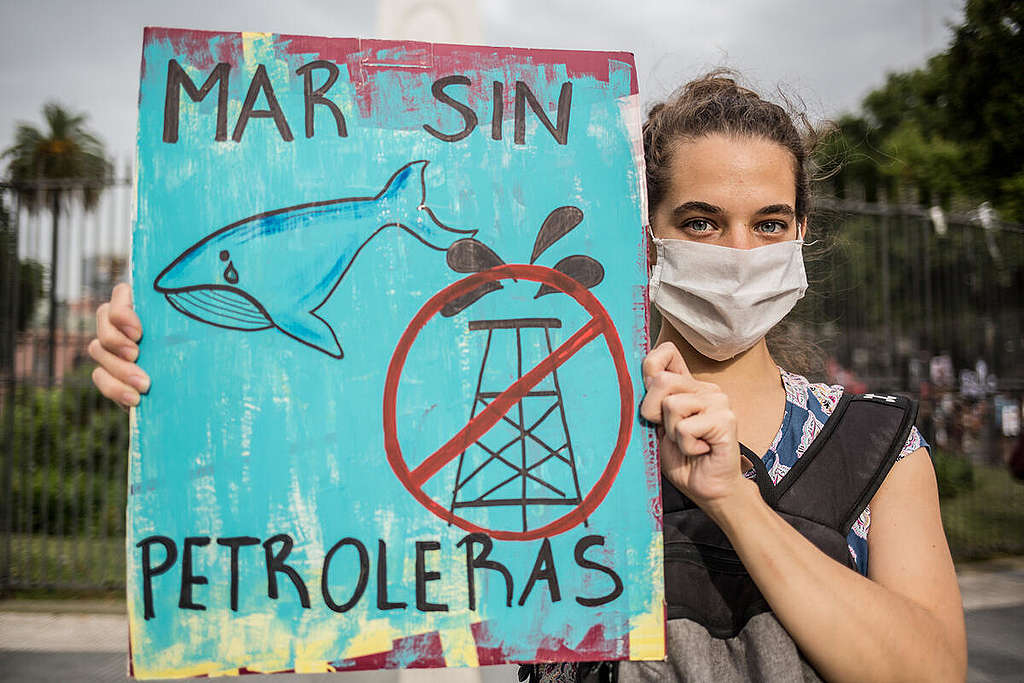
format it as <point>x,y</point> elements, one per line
<point>87,640</point>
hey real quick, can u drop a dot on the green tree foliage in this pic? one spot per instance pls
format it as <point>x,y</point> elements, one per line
<point>954,474</point>
<point>930,163</point>
<point>69,447</point>
<point>23,278</point>
<point>62,151</point>
<point>985,96</point>
<point>950,130</point>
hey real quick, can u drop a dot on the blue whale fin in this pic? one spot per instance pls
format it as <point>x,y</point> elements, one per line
<point>311,330</point>
<point>405,198</point>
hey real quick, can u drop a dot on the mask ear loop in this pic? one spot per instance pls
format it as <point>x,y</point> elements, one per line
<point>800,236</point>
<point>650,236</point>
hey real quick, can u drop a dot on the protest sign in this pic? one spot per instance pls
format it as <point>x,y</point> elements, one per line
<point>393,297</point>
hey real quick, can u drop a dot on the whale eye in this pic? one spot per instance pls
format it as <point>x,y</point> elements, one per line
<point>224,255</point>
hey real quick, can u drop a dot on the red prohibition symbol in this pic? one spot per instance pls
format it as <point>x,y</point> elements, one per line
<point>599,325</point>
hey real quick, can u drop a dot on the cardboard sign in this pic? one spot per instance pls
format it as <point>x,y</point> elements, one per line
<point>393,297</point>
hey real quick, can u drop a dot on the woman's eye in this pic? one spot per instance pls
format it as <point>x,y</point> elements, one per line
<point>771,227</point>
<point>698,225</point>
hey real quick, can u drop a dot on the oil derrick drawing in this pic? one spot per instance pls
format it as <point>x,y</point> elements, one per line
<point>529,461</point>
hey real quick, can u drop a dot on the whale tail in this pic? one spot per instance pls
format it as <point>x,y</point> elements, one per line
<point>405,197</point>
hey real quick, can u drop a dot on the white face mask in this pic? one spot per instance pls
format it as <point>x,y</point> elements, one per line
<point>722,299</point>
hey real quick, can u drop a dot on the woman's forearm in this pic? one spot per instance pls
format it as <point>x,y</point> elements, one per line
<point>849,627</point>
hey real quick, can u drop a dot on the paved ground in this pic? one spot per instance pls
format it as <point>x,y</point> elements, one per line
<point>86,640</point>
<point>993,595</point>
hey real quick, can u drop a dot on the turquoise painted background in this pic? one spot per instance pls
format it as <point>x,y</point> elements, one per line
<point>251,433</point>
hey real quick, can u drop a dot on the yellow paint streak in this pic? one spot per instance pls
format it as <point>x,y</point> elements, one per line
<point>239,633</point>
<point>258,48</point>
<point>647,630</point>
<point>374,635</point>
<point>255,47</point>
<point>459,647</point>
<point>268,666</point>
<point>312,667</point>
<point>234,647</point>
<point>647,635</point>
<point>309,652</point>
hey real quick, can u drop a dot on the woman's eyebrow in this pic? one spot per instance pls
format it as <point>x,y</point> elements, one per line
<point>784,209</point>
<point>703,207</point>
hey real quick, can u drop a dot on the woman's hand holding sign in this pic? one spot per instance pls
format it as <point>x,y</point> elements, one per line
<point>115,349</point>
<point>699,449</point>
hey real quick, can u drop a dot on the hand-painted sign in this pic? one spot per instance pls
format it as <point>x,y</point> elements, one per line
<point>394,314</point>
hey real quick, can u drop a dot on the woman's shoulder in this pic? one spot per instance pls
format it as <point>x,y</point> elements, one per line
<point>820,399</point>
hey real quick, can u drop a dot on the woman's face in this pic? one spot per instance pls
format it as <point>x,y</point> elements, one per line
<point>731,191</point>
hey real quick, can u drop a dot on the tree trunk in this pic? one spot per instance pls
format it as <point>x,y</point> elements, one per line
<point>51,369</point>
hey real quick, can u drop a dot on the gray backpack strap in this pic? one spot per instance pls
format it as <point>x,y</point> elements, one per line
<point>845,465</point>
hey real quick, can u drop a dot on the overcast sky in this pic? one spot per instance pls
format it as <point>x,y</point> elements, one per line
<point>86,53</point>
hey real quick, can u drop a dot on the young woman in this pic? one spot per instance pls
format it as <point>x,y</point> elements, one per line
<point>728,189</point>
<point>728,186</point>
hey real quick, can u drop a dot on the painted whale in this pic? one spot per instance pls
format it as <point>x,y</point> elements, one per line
<point>276,269</point>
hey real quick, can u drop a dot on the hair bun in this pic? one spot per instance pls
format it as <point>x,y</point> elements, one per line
<point>716,83</point>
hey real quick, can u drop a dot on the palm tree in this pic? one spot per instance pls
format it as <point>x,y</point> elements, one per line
<point>45,167</point>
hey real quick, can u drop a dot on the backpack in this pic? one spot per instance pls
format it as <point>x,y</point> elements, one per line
<point>720,627</point>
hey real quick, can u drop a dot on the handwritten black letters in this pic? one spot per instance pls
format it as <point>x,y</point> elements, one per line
<point>345,572</point>
<point>447,91</point>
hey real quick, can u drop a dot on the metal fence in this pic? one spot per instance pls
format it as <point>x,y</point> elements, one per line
<point>915,301</point>
<point>901,300</point>
<point>64,447</point>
